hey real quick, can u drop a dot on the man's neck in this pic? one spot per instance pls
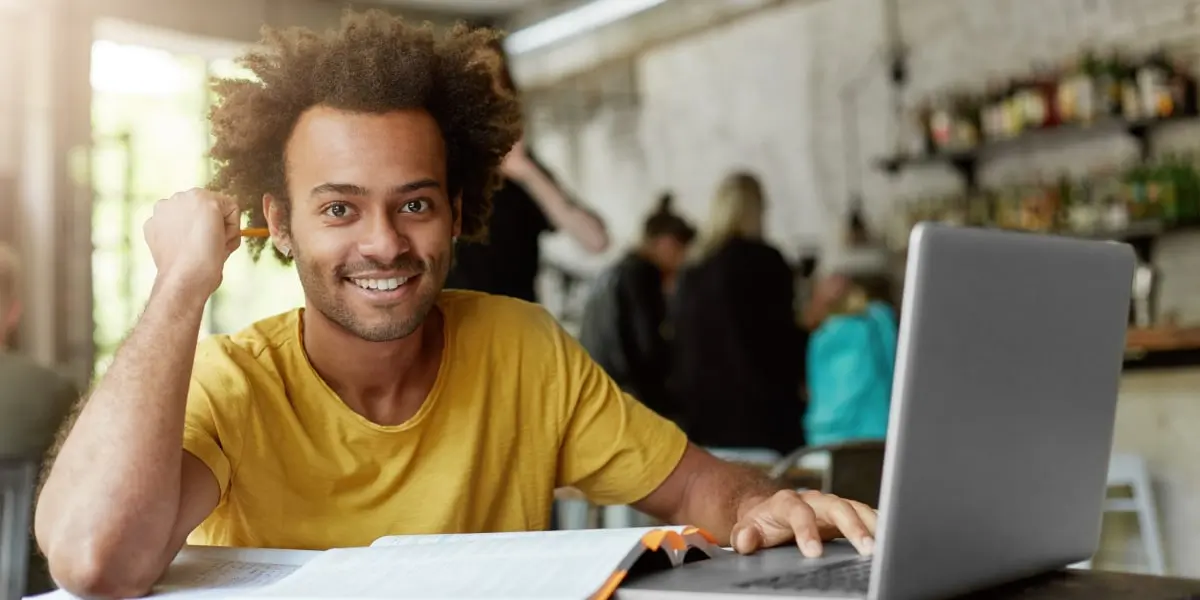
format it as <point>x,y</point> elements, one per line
<point>385,382</point>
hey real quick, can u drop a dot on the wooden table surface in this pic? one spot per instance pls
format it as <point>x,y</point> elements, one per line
<point>1094,585</point>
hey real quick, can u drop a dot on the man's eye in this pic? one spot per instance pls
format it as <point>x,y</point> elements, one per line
<point>337,211</point>
<point>415,206</point>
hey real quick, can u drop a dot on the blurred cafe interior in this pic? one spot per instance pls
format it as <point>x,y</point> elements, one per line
<point>855,119</point>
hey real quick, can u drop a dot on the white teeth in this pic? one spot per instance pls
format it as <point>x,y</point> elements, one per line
<point>383,285</point>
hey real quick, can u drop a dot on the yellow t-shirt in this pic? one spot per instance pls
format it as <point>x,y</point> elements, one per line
<point>518,408</point>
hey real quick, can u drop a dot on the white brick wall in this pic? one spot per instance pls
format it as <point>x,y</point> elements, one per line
<point>764,93</point>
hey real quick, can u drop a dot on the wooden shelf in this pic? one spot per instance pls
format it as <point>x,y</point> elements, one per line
<point>1164,339</point>
<point>966,161</point>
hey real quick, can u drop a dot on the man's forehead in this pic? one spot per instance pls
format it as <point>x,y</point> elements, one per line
<point>365,149</point>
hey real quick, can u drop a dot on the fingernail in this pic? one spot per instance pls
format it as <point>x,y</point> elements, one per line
<point>867,545</point>
<point>742,543</point>
<point>812,548</point>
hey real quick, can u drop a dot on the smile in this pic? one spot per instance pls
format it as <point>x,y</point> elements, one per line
<point>383,285</point>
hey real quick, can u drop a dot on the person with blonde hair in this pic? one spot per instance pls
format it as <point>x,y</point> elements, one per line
<point>739,359</point>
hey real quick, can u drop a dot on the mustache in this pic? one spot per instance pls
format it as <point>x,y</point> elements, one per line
<point>404,263</point>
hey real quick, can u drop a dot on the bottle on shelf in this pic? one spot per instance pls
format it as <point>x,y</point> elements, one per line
<point>1153,77</point>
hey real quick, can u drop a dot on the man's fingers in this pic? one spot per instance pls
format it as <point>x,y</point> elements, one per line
<point>746,539</point>
<point>869,517</point>
<point>843,515</point>
<point>801,519</point>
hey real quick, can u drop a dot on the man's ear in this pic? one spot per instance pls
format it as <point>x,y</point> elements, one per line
<point>277,214</point>
<point>456,230</point>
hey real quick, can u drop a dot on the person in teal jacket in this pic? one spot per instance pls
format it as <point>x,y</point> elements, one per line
<point>851,358</point>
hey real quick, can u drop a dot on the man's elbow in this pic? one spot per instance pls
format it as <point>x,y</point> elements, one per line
<point>90,571</point>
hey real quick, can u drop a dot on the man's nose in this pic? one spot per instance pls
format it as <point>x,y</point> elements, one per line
<point>384,240</point>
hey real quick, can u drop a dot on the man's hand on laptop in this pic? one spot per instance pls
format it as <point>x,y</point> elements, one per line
<point>808,518</point>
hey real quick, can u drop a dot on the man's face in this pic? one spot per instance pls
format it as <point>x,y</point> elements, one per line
<point>371,221</point>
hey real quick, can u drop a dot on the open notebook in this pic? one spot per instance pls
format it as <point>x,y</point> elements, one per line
<point>580,564</point>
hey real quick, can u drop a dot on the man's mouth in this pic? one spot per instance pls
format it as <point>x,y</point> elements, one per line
<point>381,285</point>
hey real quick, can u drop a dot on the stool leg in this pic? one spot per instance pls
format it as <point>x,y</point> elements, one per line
<point>16,506</point>
<point>1147,512</point>
<point>618,517</point>
<point>572,514</point>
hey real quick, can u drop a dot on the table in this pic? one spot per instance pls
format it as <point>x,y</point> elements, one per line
<point>1074,584</point>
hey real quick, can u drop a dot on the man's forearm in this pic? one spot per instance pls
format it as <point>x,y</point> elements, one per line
<point>113,491</point>
<point>719,495</point>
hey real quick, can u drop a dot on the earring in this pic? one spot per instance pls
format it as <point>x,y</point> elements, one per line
<point>286,252</point>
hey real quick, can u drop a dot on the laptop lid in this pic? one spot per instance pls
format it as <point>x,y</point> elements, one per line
<point>1002,410</point>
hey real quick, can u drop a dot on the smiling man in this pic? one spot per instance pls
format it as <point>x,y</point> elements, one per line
<point>386,405</point>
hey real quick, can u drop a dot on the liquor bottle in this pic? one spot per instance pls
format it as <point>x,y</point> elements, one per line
<point>1110,80</point>
<point>1154,87</point>
<point>1189,196</point>
<point>992,115</point>
<point>967,117</point>
<point>1133,107</point>
<point>1045,83</point>
<point>1183,88</point>
<point>941,123</point>
<point>1073,98</point>
<point>1014,112</point>
<point>1091,94</point>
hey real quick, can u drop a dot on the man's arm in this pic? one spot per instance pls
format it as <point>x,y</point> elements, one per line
<point>122,494</point>
<point>567,216</point>
<point>749,511</point>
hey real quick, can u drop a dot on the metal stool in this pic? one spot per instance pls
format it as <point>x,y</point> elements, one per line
<point>1130,471</point>
<point>17,481</point>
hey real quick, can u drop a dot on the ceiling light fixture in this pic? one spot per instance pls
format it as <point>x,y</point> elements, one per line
<point>587,17</point>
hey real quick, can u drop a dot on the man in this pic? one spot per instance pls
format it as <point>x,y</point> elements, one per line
<point>529,203</point>
<point>626,313</point>
<point>34,401</point>
<point>385,405</point>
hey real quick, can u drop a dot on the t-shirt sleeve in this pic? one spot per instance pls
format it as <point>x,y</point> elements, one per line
<point>216,395</point>
<point>614,449</point>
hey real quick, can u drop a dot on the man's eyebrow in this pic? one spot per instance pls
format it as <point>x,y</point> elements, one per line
<point>344,189</point>
<point>411,187</point>
<point>350,189</point>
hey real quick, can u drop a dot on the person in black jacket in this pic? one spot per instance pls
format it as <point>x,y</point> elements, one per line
<point>739,352</point>
<point>624,317</point>
<point>530,202</point>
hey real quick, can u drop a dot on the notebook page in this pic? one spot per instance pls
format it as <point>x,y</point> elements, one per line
<point>557,564</point>
<point>217,572</point>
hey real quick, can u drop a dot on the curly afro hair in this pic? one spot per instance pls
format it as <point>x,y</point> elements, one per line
<point>375,63</point>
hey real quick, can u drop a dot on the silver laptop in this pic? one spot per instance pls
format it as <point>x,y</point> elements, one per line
<point>1000,430</point>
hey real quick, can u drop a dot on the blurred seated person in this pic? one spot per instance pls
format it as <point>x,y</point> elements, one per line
<point>851,358</point>
<point>739,354</point>
<point>34,402</point>
<point>528,203</point>
<point>625,315</point>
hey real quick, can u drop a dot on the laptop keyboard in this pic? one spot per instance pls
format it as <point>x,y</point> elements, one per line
<point>844,576</point>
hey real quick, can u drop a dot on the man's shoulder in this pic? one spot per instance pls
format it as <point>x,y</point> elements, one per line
<point>252,342</point>
<point>477,312</point>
